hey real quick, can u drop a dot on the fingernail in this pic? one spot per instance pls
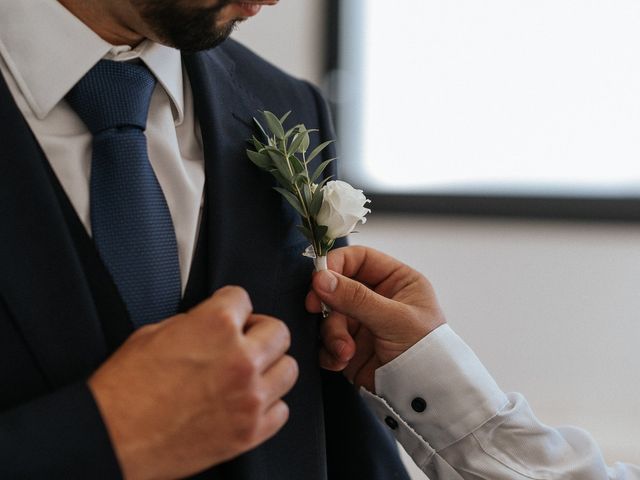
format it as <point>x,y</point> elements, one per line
<point>326,281</point>
<point>338,347</point>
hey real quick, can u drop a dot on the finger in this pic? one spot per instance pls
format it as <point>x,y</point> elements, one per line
<point>364,264</point>
<point>228,303</point>
<point>353,325</point>
<point>279,379</point>
<point>269,339</point>
<point>336,337</point>
<point>272,421</point>
<point>365,376</point>
<point>364,350</point>
<point>312,302</point>
<point>329,362</point>
<point>355,300</point>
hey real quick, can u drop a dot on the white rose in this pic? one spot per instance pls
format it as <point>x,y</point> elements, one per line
<point>342,208</point>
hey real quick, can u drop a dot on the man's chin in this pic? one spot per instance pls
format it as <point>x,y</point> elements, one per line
<point>191,43</point>
<point>186,29</point>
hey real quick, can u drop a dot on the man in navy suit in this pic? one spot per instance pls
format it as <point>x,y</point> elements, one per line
<point>127,208</point>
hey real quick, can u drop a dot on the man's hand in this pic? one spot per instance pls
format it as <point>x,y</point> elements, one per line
<point>197,389</point>
<point>380,308</point>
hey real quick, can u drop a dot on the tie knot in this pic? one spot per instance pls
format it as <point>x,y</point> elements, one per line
<point>113,95</point>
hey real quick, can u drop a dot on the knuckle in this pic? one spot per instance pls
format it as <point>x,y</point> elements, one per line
<point>283,413</point>
<point>141,333</point>
<point>244,367</point>
<point>423,281</point>
<point>291,367</point>
<point>359,295</point>
<point>414,277</point>
<point>225,319</point>
<point>238,292</point>
<point>253,402</point>
<point>247,431</point>
<point>151,328</point>
<point>283,331</point>
<point>242,370</point>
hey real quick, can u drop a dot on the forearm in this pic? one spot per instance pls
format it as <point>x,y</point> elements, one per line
<point>470,428</point>
<point>59,436</point>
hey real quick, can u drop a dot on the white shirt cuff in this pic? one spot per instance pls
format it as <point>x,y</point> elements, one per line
<point>435,393</point>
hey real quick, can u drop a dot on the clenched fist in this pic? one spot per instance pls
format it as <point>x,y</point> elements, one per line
<point>197,389</point>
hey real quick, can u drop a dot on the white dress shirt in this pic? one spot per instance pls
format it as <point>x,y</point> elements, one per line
<point>44,51</point>
<point>470,429</point>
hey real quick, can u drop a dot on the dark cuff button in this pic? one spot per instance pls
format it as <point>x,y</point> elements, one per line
<point>419,405</point>
<point>391,423</point>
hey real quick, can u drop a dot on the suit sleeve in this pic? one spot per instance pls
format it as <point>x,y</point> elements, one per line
<point>466,427</point>
<point>58,436</point>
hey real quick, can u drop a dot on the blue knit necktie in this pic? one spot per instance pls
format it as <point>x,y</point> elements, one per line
<point>130,219</point>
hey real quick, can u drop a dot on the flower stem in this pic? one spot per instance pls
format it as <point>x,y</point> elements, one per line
<point>307,216</point>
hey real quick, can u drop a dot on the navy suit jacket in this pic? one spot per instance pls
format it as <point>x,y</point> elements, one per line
<point>54,313</point>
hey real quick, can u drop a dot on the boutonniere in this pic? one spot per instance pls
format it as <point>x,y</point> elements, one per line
<point>329,209</point>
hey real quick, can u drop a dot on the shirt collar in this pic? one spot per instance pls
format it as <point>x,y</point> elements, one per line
<point>48,50</point>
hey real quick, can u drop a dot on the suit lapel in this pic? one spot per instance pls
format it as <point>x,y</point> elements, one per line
<point>41,279</point>
<point>249,245</point>
<point>243,244</point>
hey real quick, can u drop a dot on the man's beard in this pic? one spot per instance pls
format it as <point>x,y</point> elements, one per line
<point>187,29</point>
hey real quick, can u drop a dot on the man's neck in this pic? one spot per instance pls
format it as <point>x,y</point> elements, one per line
<point>105,21</point>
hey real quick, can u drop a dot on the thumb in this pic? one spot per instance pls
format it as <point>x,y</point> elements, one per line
<point>356,300</point>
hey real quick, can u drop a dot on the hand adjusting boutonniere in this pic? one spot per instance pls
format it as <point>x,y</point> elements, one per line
<point>330,209</point>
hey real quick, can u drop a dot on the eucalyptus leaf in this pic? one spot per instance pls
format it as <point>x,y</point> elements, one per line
<point>300,179</point>
<point>320,231</point>
<point>260,159</point>
<point>272,142</point>
<point>316,151</point>
<point>298,166</point>
<point>329,245</point>
<point>304,146</point>
<point>257,143</point>
<point>274,124</point>
<point>279,162</point>
<point>296,142</point>
<point>322,183</point>
<point>282,166</point>
<point>290,132</point>
<point>292,199</point>
<point>284,117</point>
<point>274,150</point>
<point>320,169</point>
<point>279,178</point>
<point>316,203</point>
<point>306,194</point>
<point>260,127</point>
<point>306,232</point>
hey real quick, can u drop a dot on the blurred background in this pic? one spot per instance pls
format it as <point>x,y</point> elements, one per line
<point>500,142</point>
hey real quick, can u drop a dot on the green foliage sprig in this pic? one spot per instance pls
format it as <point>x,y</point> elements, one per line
<point>284,155</point>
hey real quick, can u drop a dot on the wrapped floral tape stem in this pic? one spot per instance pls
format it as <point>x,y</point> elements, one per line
<point>321,265</point>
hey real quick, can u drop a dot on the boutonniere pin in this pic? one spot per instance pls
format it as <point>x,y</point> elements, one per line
<point>329,209</point>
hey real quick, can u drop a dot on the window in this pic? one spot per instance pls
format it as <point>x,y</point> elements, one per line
<point>500,106</point>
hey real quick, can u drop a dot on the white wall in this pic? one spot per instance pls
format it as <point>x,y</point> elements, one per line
<point>289,35</point>
<point>552,308</point>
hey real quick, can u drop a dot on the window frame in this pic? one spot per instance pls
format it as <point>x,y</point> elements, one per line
<point>618,209</point>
